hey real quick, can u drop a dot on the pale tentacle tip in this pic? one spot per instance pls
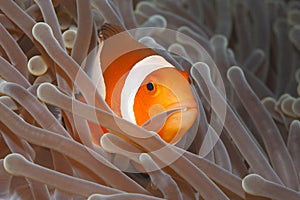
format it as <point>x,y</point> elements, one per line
<point>11,163</point>
<point>295,123</point>
<point>148,163</point>
<point>38,27</point>
<point>160,21</point>
<point>251,182</point>
<point>106,143</point>
<point>219,39</point>
<point>9,102</point>
<point>104,140</point>
<point>232,70</point>
<point>42,89</point>
<point>287,106</point>
<point>202,68</point>
<point>185,28</point>
<point>37,66</point>
<point>144,157</point>
<point>69,37</point>
<point>268,99</point>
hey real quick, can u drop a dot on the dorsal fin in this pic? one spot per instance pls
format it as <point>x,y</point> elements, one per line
<point>107,30</point>
<point>116,43</point>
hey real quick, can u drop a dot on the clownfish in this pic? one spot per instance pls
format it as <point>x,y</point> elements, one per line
<point>138,84</point>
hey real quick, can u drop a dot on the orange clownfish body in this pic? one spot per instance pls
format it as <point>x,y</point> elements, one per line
<point>140,84</point>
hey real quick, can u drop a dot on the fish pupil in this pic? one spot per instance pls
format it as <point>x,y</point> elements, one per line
<point>150,86</point>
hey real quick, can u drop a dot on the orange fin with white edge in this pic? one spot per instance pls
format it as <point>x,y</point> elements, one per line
<point>117,42</point>
<point>107,30</point>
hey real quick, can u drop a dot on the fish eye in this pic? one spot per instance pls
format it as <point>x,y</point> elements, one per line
<point>150,86</point>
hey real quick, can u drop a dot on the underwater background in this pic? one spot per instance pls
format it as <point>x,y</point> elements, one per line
<point>243,58</point>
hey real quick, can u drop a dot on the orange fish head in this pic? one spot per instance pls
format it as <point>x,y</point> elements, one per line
<point>167,89</point>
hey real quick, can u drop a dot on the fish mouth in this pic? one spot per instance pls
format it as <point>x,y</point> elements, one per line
<point>174,121</point>
<point>179,122</point>
<point>184,106</point>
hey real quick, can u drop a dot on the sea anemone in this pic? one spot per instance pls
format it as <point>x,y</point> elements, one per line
<point>243,58</point>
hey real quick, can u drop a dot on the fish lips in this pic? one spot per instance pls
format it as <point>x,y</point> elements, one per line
<point>173,123</point>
